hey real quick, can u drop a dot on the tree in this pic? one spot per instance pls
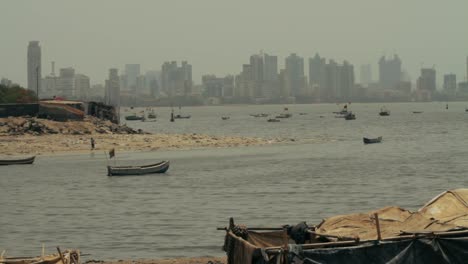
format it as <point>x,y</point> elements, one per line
<point>16,94</point>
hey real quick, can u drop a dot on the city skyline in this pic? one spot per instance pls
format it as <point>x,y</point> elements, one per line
<point>216,36</point>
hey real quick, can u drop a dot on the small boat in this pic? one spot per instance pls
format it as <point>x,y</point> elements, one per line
<point>160,167</point>
<point>466,109</point>
<point>133,117</point>
<point>302,113</point>
<point>225,117</point>
<point>384,112</point>
<point>69,256</point>
<point>372,140</point>
<point>417,112</point>
<point>29,160</point>
<point>350,116</point>
<point>273,120</point>
<point>151,115</point>
<point>284,115</point>
<point>259,115</point>
<point>343,111</point>
<point>179,116</point>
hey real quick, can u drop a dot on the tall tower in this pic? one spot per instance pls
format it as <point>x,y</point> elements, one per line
<point>34,66</point>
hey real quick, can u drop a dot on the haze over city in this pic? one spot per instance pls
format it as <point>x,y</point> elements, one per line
<point>217,37</point>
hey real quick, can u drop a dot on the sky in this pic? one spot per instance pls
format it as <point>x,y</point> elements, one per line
<point>218,36</point>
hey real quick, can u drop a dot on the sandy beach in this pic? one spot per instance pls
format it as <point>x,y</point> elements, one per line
<point>30,136</point>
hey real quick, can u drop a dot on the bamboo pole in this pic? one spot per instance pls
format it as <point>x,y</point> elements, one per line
<point>61,256</point>
<point>379,235</point>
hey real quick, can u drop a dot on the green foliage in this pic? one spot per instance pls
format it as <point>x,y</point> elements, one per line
<point>16,94</point>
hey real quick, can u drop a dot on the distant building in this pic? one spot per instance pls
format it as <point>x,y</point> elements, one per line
<point>295,74</point>
<point>112,92</point>
<point>218,87</point>
<point>389,72</point>
<point>132,71</point>
<point>270,76</point>
<point>427,80</point>
<point>317,75</point>
<point>82,86</point>
<point>6,82</point>
<point>176,81</point>
<point>257,71</point>
<point>34,66</point>
<point>450,83</point>
<point>365,74</point>
<point>65,83</point>
<point>152,79</point>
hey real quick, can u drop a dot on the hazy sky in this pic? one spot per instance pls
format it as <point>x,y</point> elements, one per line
<point>218,36</point>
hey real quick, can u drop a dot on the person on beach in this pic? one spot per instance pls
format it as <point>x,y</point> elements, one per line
<point>92,143</point>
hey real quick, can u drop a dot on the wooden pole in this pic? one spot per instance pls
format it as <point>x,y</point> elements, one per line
<point>61,256</point>
<point>379,236</point>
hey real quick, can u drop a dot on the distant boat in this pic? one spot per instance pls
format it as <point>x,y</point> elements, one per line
<point>259,115</point>
<point>151,114</point>
<point>343,111</point>
<point>29,160</point>
<point>466,109</point>
<point>302,113</point>
<point>180,116</point>
<point>350,116</point>
<point>372,140</point>
<point>384,111</point>
<point>225,117</point>
<point>273,120</point>
<point>160,167</point>
<point>419,112</point>
<point>133,117</point>
<point>284,115</point>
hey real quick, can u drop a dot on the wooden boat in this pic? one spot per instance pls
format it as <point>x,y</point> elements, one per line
<point>372,140</point>
<point>384,112</point>
<point>133,117</point>
<point>350,116</point>
<point>225,117</point>
<point>179,116</point>
<point>160,167</point>
<point>69,256</point>
<point>285,115</point>
<point>29,160</point>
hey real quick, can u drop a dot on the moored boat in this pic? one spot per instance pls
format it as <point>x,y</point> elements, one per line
<point>160,167</point>
<point>28,160</point>
<point>273,120</point>
<point>225,117</point>
<point>350,116</point>
<point>372,140</point>
<point>133,117</point>
<point>384,111</point>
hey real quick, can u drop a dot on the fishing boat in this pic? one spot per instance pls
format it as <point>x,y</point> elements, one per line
<point>419,112</point>
<point>160,167</point>
<point>259,115</point>
<point>384,111</point>
<point>350,116</point>
<point>225,117</point>
<point>343,111</point>
<point>69,256</point>
<point>29,160</point>
<point>372,140</point>
<point>133,117</point>
<point>151,115</point>
<point>273,120</point>
<point>180,116</point>
<point>284,115</point>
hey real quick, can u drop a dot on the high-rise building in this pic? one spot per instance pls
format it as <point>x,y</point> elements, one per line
<point>365,74</point>
<point>389,72</point>
<point>65,83</point>
<point>176,81</point>
<point>427,80</point>
<point>132,71</point>
<point>257,71</point>
<point>112,95</point>
<point>82,86</point>
<point>295,74</point>
<point>317,74</point>
<point>450,83</point>
<point>218,87</point>
<point>270,68</point>
<point>34,66</point>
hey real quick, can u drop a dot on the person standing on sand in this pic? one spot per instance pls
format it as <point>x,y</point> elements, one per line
<point>92,143</point>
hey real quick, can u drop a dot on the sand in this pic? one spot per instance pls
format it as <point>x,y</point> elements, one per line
<point>200,260</point>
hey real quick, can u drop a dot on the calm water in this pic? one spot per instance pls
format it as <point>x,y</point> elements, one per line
<point>69,201</point>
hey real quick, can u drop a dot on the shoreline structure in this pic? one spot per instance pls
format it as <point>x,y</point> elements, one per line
<point>31,136</point>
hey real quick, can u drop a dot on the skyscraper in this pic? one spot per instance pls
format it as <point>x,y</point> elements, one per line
<point>34,66</point>
<point>317,75</point>
<point>450,83</point>
<point>365,74</point>
<point>112,96</point>
<point>389,72</point>
<point>256,62</point>
<point>132,71</point>
<point>295,73</point>
<point>427,80</point>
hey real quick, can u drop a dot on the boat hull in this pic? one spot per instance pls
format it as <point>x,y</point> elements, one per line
<point>372,140</point>
<point>160,167</point>
<point>29,160</point>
